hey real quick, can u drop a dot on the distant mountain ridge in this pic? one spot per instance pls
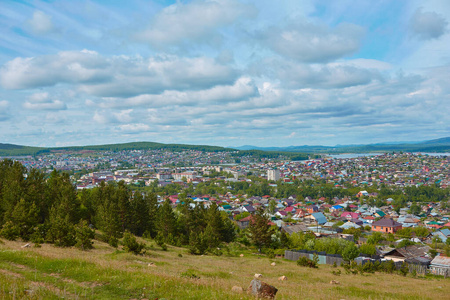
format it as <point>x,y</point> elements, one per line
<point>436,145</point>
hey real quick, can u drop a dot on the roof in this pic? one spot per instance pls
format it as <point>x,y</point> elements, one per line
<point>441,261</point>
<point>410,252</point>
<point>386,222</point>
<point>295,228</point>
<point>319,217</point>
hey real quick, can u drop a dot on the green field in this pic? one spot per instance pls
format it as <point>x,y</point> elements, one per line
<point>106,273</point>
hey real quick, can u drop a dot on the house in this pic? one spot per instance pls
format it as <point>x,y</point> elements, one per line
<point>336,208</point>
<point>243,223</point>
<point>349,215</point>
<point>319,218</point>
<point>248,208</point>
<point>312,209</point>
<point>386,225</point>
<point>440,265</point>
<point>416,254</point>
<point>295,228</point>
<point>443,234</point>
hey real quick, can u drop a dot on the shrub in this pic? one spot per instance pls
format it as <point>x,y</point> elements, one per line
<point>9,231</point>
<point>130,244</point>
<point>270,253</point>
<point>159,239</point>
<point>190,273</point>
<point>306,262</point>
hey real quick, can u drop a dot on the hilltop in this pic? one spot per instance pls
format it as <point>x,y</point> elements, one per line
<point>107,273</point>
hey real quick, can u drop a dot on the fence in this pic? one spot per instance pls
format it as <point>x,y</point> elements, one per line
<point>330,259</point>
<point>324,258</point>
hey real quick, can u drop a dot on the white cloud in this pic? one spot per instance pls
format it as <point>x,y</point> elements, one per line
<point>134,128</point>
<point>43,101</point>
<point>242,89</point>
<point>428,25</point>
<point>311,42</point>
<point>40,23</point>
<point>300,75</point>
<point>194,21</point>
<point>118,76</point>
<point>4,114</point>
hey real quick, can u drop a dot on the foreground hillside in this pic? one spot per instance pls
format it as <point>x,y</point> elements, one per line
<point>106,273</point>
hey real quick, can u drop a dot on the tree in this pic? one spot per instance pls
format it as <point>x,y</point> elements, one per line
<point>368,249</point>
<point>167,223</point>
<point>61,231</point>
<point>350,252</point>
<point>130,244</point>
<point>260,230</point>
<point>84,236</point>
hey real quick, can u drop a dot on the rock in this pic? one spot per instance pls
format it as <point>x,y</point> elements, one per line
<point>334,282</point>
<point>242,255</point>
<point>261,289</point>
<point>282,278</point>
<point>26,246</point>
<point>151,264</point>
<point>258,275</point>
<point>237,289</point>
<point>273,264</point>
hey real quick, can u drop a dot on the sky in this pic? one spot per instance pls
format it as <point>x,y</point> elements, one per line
<point>224,72</point>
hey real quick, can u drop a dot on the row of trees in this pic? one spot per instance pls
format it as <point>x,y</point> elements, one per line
<point>48,209</point>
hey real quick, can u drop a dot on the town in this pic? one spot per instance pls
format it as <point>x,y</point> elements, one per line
<point>332,197</point>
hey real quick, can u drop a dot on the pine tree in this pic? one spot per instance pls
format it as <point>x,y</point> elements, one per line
<point>260,230</point>
<point>84,236</point>
<point>139,215</point>
<point>61,231</point>
<point>167,222</point>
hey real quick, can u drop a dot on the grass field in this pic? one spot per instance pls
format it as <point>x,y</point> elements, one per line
<point>106,273</point>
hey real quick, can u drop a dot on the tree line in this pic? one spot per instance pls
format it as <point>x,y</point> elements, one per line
<point>40,208</point>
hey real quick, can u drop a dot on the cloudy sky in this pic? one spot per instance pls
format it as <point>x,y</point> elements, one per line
<point>224,72</point>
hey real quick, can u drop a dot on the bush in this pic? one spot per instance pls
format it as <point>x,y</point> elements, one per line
<point>159,239</point>
<point>270,253</point>
<point>306,262</point>
<point>130,244</point>
<point>190,273</point>
<point>9,231</point>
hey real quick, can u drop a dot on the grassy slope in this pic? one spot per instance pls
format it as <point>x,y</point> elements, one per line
<point>104,273</point>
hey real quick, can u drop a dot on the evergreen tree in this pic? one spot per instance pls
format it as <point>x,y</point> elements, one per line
<point>167,222</point>
<point>84,236</point>
<point>139,215</point>
<point>260,230</point>
<point>61,230</point>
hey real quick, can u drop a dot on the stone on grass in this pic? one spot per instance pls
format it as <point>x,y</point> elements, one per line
<point>261,289</point>
<point>237,289</point>
<point>282,278</point>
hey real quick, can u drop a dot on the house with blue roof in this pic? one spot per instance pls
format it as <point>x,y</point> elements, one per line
<point>319,218</point>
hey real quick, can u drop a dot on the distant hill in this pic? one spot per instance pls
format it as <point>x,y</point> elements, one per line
<point>437,145</point>
<point>294,152</point>
<point>17,150</point>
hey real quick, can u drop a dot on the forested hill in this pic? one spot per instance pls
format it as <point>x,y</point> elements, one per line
<point>16,150</point>
<point>438,145</point>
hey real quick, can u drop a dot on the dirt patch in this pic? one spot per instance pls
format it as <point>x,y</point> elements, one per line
<point>10,273</point>
<point>54,290</point>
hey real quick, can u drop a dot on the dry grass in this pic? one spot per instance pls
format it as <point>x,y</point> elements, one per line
<point>105,273</point>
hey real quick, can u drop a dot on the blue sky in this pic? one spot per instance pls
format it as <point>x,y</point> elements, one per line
<point>224,72</point>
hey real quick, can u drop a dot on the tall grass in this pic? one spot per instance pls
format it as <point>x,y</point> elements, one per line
<point>107,273</point>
